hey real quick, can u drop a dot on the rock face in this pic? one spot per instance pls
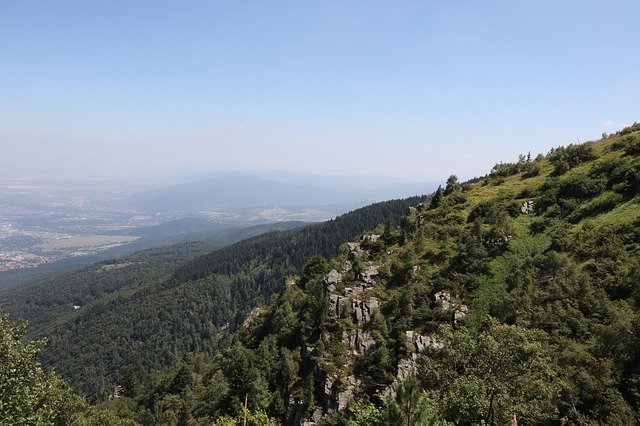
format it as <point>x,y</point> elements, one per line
<point>527,207</point>
<point>456,310</point>
<point>360,340</point>
<point>251,316</point>
<point>333,277</point>
<point>362,310</point>
<point>336,305</point>
<point>337,394</point>
<point>407,367</point>
<point>416,344</point>
<point>354,250</point>
<point>369,275</point>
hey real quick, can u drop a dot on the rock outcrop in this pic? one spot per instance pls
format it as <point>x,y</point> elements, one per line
<point>354,250</point>
<point>369,275</point>
<point>362,310</point>
<point>456,310</point>
<point>527,207</point>
<point>416,343</point>
<point>359,340</point>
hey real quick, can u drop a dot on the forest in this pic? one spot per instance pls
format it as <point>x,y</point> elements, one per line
<point>510,299</point>
<point>144,311</point>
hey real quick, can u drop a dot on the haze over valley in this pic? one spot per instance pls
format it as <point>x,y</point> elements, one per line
<point>45,220</point>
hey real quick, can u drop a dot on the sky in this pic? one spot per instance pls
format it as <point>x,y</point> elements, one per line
<point>412,90</point>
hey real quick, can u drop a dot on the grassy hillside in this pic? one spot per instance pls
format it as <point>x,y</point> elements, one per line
<point>514,298</point>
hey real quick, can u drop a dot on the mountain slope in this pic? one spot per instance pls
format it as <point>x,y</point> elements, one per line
<point>512,299</point>
<point>152,323</point>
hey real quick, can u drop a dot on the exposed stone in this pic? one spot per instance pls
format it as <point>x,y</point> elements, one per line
<point>527,207</point>
<point>336,305</point>
<point>368,275</point>
<point>251,316</point>
<point>418,342</point>
<point>444,299</point>
<point>371,238</point>
<point>333,277</point>
<point>407,367</point>
<point>360,340</point>
<point>362,309</point>
<point>460,312</point>
<point>346,395</point>
<point>353,291</point>
<point>354,250</point>
<point>328,384</point>
<point>347,266</point>
<point>457,310</point>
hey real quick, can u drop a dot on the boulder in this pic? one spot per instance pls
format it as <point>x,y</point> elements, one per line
<point>333,277</point>
<point>527,207</point>
<point>354,250</point>
<point>336,305</point>
<point>369,275</point>
<point>362,310</point>
<point>371,238</point>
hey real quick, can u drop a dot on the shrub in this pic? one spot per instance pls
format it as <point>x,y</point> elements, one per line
<point>566,158</point>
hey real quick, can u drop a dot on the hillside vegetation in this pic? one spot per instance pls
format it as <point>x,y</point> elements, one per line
<point>146,310</point>
<point>512,299</point>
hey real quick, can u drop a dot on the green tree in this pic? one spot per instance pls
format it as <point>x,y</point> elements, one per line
<point>489,377</point>
<point>29,395</point>
<point>436,198</point>
<point>452,185</point>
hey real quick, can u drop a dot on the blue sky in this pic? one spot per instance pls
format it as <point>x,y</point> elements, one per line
<point>412,90</point>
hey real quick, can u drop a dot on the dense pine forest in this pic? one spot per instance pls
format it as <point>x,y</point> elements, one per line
<point>144,311</point>
<point>512,299</point>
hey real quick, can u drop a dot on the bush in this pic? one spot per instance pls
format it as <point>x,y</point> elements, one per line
<point>566,158</point>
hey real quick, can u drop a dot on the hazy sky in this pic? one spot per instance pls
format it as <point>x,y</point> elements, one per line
<point>416,90</point>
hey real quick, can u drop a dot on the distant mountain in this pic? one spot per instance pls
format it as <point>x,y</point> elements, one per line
<point>234,191</point>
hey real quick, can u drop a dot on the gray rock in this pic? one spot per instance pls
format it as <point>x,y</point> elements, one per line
<point>251,316</point>
<point>407,368</point>
<point>369,275</point>
<point>353,292</point>
<point>362,310</point>
<point>527,207</point>
<point>443,298</point>
<point>346,395</point>
<point>336,305</point>
<point>457,310</point>
<point>354,250</point>
<point>360,340</point>
<point>371,238</point>
<point>418,342</point>
<point>333,277</point>
<point>460,312</point>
